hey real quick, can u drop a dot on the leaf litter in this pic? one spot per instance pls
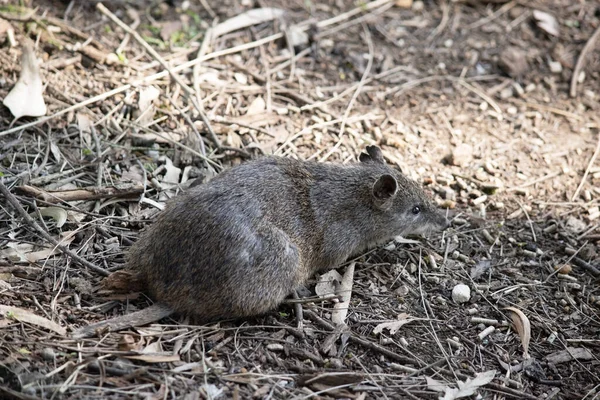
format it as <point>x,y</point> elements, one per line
<point>511,224</point>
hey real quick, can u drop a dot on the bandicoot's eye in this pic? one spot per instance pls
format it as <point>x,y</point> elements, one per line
<point>416,210</point>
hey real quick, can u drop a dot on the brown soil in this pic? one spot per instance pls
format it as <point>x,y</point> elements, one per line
<point>471,98</point>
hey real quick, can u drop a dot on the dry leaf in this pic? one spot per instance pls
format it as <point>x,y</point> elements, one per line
<point>344,291</point>
<point>16,252</point>
<point>436,385</point>
<point>133,174</point>
<point>155,358</point>
<point>22,315</point>
<point>65,238</point>
<point>257,106</point>
<point>546,22</point>
<point>212,391</point>
<point>523,328</point>
<point>173,173</point>
<point>327,283</point>
<point>128,343</point>
<point>146,104</point>
<point>59,215</point>
<point>25,98</point>
<point>249,18</point>
<point>153,354</point>
<point>55,152</point>
<point>469,387</point>
<point>233,139</point>
<point>393,326</point>
<point>571,353</point>
<point>85,129</point>
<point>212,76</point>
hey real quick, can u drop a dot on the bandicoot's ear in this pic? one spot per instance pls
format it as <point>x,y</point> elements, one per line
<point>373,154</point>
<point>384,191</point>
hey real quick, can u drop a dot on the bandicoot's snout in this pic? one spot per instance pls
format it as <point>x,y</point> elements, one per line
<point>439,221</point>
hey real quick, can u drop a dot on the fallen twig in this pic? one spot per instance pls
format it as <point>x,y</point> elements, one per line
<point>588,46</point>
<point>89,193</point>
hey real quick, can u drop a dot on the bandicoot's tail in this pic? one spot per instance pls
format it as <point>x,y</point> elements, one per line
<point>151,314</point>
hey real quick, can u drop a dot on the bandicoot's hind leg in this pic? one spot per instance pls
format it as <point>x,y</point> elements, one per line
<point>273,274</point>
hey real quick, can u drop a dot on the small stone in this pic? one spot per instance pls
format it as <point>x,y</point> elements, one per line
<point>513,61</point>
<point>506,93</point>
<point>512,110</point>
<point>418,6</point>
<point>555,67</point>
<point>448,43</point>
<point>563,269</point>
<point>479,200</point>
<point>461,293</point>
<point>275,347</point>
<point>462,155</point>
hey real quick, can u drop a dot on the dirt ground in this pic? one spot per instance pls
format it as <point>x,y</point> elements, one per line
<point>493,105</point>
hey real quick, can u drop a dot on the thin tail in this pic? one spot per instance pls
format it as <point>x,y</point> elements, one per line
<point>151,314</point>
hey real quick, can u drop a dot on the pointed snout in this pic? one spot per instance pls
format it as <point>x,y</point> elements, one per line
<point>443,222</point>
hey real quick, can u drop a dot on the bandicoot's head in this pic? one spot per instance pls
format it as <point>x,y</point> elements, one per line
<point>400,201</point>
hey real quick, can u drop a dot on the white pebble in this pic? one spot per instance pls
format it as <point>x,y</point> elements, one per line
<point>555,67</point>
<point>461,293</point>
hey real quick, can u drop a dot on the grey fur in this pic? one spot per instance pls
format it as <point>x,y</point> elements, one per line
<point>238,245</point>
